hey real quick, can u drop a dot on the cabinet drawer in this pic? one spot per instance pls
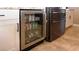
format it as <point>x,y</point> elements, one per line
<point>8,14</point>
<point>8,39</point>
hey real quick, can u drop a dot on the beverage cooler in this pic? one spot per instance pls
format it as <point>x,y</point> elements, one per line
<point>32,27</point>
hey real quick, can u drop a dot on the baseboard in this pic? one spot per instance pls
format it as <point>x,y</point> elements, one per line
<point>77,25</point>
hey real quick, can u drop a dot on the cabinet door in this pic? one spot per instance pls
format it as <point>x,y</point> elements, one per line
<point>69,18</point>
<point>8,39</point>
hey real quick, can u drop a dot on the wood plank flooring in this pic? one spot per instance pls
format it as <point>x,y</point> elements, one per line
<point>68,42</point>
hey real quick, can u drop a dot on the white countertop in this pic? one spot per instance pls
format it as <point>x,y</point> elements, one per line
<point>11,8</point>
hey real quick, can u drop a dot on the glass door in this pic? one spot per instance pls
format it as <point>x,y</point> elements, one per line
<point>31,27</point>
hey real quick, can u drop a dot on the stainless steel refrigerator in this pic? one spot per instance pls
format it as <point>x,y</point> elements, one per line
<point>55,26</point>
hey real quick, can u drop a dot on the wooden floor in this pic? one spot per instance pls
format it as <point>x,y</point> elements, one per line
<point>68,42</point>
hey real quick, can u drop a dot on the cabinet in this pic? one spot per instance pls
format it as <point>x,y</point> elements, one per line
<point>9,35</point>
<point>69,18</point>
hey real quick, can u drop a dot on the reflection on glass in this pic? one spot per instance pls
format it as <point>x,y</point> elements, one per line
<point>34,27</point>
